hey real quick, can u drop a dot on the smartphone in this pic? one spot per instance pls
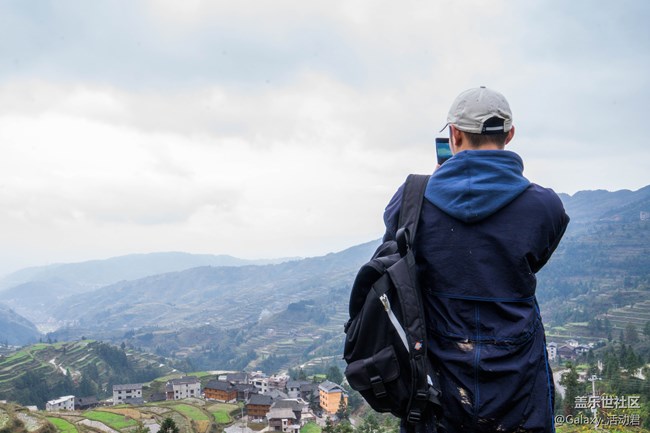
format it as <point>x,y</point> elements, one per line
<point>443,151</point>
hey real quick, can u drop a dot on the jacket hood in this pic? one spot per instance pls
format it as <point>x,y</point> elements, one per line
<point>474,184</point>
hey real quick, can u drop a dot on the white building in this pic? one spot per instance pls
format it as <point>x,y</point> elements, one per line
<point>61,403</point>
<point>259,381</point>
<point>185,387</point>
<point>551,349</point>
<point>127,393</point>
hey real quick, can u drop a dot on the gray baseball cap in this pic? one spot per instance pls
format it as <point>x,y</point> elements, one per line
<point>480,111</point>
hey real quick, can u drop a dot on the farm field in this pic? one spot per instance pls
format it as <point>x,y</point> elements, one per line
<point>190,415</point>
<point>62,425</point>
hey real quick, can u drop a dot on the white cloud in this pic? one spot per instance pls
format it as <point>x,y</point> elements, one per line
<point>266,129</point>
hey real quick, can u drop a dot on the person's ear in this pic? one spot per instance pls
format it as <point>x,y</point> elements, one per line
<point>511,134</point>
<point>456,139</point>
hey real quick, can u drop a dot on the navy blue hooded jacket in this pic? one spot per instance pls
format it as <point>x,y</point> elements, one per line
<point>483,233</point>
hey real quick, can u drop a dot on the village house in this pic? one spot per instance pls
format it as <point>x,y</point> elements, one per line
<point>289,415</point>
<point>309,391</point>
<point>551,350</point>
<point>185,387</point>
<point>283,419</point>
<point>61,403</point>
<point>278,381</point>
<point>258,406</point>
<point>331,397</point>
<point>266,384</point>
<point>294,388</point>
<point>234,378</point>
<point>220,390</point>
<point>260,382</point>
<point>84,403</point>
<point>244,390</point>
<point>566,352</point>
<point>573,343</point>
<point>127,393</point>
<point>276,394</point>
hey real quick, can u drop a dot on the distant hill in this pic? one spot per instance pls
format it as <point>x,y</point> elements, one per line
<point>30,290</point>
<point>223,296</point>
<point>238,316</point>
<point>97,273</point>
<point>586,207</point>
<point>15,329</point>
<point>222,317</point>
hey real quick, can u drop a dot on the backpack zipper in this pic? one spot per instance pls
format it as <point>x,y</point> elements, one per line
<point>393,319</point>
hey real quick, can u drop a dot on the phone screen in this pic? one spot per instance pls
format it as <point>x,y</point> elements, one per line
<point>442,150</point>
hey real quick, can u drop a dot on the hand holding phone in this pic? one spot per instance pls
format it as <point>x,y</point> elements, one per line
<point>443,151</point>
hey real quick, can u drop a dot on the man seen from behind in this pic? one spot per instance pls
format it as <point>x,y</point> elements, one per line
<point>484,232</point>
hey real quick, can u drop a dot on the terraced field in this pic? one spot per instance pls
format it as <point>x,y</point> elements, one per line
<point>621,308</point>
<point>52,361</point>
<point>33,358</point>
<point>637,314</point>
<point>297,340</point>
<point>191,416</point>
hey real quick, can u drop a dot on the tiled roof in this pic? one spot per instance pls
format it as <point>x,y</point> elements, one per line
<point>281,413</point>
<point>261,400</point>
<point>288,403</point>
<point>328,386</point>
<point>219,385</point>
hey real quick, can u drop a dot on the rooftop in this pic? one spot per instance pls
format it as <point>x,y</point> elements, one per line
<point>328,386</point>
<point>127,386</point>
<point>219,385</point>
<point>61,399</point>
<point>261,400</point>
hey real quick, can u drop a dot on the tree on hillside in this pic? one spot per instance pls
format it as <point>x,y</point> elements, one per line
<point>343,412</point>
<point>342,427</point>
<point>168,426</point>
<point>569,381</point>
<point>631,334</point>
<point>86,387</point>
<point>629,360</point>
<point>329,426</point>
<point>369,424</point>
<point>646,329</point>
<point>611,365</point>
<point>334,374</point>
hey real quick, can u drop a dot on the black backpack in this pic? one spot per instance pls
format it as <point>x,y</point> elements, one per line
<point>385,342</point>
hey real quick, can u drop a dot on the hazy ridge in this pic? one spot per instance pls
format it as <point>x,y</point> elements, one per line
<point>211,314</point>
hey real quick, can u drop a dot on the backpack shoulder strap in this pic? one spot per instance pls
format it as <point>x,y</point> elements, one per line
<point>409,213</point>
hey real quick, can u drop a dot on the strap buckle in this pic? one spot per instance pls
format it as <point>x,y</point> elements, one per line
<point>378,387</point>
<point>414,416</point>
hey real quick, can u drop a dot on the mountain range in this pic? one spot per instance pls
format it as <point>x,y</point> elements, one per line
<point>243,312</point>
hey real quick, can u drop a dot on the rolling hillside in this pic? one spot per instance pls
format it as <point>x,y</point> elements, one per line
<point>41,372</point>
<point>30,291</point>
<point>289,313</point>
<point>15,329</point>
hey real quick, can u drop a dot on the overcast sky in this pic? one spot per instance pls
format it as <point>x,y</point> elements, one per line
<point>282,128</point>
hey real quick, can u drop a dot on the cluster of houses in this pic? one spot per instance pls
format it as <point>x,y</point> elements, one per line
<point>570,350</point>
<point>286,404</point>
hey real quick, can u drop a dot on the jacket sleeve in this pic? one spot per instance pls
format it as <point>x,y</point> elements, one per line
<point>558,223</point>
<point>391,214</point>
